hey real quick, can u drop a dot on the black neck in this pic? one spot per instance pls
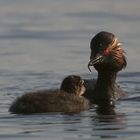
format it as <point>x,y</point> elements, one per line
<point>105,86</point>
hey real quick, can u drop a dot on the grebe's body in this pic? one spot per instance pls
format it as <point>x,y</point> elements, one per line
<point>108,58</point>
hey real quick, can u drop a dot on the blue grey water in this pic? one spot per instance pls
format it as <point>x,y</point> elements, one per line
<point>42,41</point>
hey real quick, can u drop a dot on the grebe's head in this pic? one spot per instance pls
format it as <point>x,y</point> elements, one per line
<point>106,53</point>
<point>73,84</point>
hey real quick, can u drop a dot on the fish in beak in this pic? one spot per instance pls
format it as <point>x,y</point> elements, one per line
<point>95,60</point>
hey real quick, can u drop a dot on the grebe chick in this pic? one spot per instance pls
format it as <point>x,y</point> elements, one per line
<point>108,58</point>
<point>67,100</point>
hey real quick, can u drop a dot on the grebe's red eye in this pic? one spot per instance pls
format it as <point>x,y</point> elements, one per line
<point>106,52</point>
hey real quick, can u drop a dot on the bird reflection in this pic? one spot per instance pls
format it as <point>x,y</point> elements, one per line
<point>106,110</point>
<point>108,122</point>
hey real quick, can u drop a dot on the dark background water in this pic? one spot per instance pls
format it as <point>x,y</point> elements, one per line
<point>42,41</point>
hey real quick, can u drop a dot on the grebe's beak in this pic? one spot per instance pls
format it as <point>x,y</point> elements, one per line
<point>94,61</point>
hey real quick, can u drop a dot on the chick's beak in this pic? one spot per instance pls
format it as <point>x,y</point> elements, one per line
<point>95,60</point>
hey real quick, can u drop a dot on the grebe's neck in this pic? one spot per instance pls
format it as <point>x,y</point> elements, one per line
<point>105,87</point>
<point>106,79</point>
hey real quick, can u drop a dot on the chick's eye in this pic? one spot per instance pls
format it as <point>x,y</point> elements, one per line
<point>81,82</point>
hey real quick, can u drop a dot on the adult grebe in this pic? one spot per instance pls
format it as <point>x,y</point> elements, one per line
<point>67,100</point>
<point>108,58</point>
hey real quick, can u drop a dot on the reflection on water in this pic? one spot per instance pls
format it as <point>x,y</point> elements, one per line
<point>43,41</point>
<point>84,125</point>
